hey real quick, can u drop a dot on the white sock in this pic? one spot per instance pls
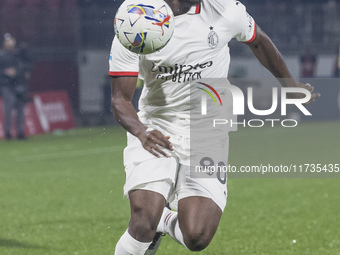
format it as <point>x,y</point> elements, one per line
<point>127,245</point>
<point>169,224</point>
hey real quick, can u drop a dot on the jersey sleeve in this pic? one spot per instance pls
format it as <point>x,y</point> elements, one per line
<point>244,26</point>
<point>122,62</point>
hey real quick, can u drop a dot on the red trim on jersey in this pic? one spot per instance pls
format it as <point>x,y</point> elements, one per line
<point>123,73</point>
<point>198,9</point>
<point>254,36</point>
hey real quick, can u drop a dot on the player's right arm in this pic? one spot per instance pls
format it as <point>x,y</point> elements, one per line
<point>121,99</point>
<point>124,72</point>
<point>122,90</point>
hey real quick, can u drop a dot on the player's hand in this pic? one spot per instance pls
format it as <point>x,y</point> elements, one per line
<point>154,142</point>
<point>310,88</point>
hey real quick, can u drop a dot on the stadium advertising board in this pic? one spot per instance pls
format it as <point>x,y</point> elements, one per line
<point>46,112</point>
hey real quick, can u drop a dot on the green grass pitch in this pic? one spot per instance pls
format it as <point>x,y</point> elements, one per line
<point>62,194</point>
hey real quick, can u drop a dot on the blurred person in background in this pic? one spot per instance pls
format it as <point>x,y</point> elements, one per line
<point>14,74</point>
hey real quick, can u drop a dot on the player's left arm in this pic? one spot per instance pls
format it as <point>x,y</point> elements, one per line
<point>270,57</point>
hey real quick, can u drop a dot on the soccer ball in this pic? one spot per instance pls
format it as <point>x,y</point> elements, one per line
<point>144,26</point>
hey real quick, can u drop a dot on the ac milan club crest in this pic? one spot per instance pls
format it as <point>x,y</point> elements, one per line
<point>212,38</point>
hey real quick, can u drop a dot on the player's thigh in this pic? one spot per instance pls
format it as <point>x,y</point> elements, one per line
<point>198,218</point>
<point>198,214</point>
<point>201,201</point>
<point>146,203</point>
<point>149,183</point>
<point>146,210</point>
<point>148,200</point>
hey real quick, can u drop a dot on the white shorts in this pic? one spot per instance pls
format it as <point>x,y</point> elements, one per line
<point>167,176</point>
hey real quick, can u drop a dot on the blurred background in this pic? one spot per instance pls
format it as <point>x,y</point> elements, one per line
<point>69,42</point>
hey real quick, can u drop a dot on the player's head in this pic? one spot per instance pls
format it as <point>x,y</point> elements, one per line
<point>9,42</point>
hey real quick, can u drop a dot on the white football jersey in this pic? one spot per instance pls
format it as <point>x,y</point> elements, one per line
<point>197,50</point>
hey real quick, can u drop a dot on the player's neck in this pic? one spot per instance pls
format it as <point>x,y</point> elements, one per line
<point>181,6</point>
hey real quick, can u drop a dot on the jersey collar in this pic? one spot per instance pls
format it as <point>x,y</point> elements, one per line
<point>195,9</point>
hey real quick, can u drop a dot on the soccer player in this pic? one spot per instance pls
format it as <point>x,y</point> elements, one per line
<point>156,157</point>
